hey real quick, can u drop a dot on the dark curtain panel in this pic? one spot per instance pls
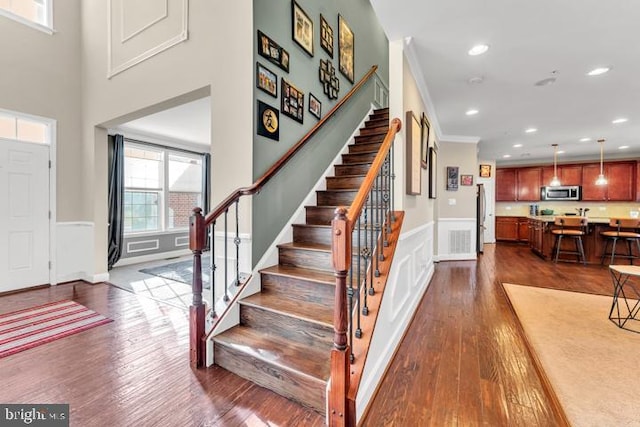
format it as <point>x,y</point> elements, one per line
<point>116,198</point>
<point>206,188</point>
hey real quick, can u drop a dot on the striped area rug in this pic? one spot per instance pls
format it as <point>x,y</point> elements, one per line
<point>25,329</point>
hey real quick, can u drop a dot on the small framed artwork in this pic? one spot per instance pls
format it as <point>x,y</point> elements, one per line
<point>485,171</point>
<point>414,171</point>
<point>452,178</point>
<point>330,83</point>
<point>268,121</point>
<point>266,80</point>
<point>424,140</point>
<point>326,36</point>
<point>315,106</point>
<point>271,50</point>
<point>433,176</point>
<point>345,49</point>
<point>292,101</point>
<point>302,28</point>
<point>466,179</point>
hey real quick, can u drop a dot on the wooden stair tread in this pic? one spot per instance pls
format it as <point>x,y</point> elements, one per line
<point>303,273</point>
<point>307,311</point>
<point>286,354</point>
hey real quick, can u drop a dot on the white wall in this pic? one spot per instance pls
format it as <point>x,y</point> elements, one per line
<point>210,61</point>
<point>41,76</point>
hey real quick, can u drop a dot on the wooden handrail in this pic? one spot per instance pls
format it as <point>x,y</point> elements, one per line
<point>358,202</point>
<point>341,409</point>
<point>273,170</point>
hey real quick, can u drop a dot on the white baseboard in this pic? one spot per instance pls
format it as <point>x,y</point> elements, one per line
<point>152,257</point>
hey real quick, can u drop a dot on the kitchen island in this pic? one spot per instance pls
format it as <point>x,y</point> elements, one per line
<point>541,240</point>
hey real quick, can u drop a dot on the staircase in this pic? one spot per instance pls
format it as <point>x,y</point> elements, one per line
<point>285,335</point>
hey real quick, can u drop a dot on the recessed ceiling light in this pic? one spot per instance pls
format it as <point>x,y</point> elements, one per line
<point>471,112</point>
<point>476,80</point>
<point>545,82</point>
<point>598,71</point>
<point>531,130</point>
<point>560,151</point>
<point>585,139</point>
<point>620,120</point>
<point>623,147</point>
<point>478,49</point>
<point>506,156</point>
<point>517,145</point>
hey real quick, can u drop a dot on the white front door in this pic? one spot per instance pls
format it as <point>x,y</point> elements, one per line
<point>24,214</point>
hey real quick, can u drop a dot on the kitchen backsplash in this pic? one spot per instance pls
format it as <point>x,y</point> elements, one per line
<point>602,209</point>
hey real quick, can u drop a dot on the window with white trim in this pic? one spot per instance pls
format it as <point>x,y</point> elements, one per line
<point>162,186</point>
<point>24,128</point>
<point>37,12</point>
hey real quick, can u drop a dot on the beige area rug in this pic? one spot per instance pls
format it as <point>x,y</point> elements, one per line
<point>593,366</point>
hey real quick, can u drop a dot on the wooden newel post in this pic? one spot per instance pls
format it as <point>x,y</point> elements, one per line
<point>197,309</point>
<point>341,250</point>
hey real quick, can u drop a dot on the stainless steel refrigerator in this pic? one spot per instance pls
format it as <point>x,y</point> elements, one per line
<point>481,207</point>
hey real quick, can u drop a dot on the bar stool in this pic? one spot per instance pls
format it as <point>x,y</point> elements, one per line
<point>573,227</point>
<point>623,228</point>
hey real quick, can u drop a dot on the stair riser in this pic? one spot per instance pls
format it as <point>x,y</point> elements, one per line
<point>377,115</point>
<point>301,290</point>
<point>312,235</point>
<point>317,260</point>
<point>300,388</point>
<point>358,158</point>
<point>342,170</point>
<point>291,328</point>
<point>319,215</point>
<point>364,147</point>
<point>344,182</point>
<point>336,198</point>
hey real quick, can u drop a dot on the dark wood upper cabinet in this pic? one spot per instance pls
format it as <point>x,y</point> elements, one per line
<point>620,182</point>
<point>570,174</point>
<point>529,180</point>
<point>505,185</point>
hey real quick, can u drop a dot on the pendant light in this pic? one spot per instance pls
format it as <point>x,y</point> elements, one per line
<point>601,179</point>
<point>555,181</point>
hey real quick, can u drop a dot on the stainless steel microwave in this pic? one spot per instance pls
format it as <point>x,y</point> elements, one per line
<point>562,192</point>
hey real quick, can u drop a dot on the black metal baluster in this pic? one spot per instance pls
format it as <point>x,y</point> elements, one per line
<point>364,255</point>
<point>387,196</point>
<point>350,301</point>
<point>236,241</point>
<point>392,215</point>
<point>379,217</point>
<point>359,279</point>
<point>226,256</point>
<point>370,254</point>
<point>212,269</point>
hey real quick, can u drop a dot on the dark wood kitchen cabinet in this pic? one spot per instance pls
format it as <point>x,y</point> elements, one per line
<point>620,182</point>
<point>528,184</point>
<point>512,228</point>
<point>505,185</point>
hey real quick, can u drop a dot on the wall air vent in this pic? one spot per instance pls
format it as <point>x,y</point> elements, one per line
<point>460,242</point>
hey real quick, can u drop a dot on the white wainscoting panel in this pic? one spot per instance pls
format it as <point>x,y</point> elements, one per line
<point>409,278</point>
<point>74,251</point>
<point>456,239</point>
<point>138,30</point>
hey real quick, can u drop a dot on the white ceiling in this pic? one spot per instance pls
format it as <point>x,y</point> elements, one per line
<point>528,40</point>
<point>190,123</point>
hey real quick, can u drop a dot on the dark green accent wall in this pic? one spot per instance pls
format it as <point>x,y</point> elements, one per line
<point>278,200</point>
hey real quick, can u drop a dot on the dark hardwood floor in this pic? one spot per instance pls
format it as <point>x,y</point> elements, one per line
<point>463,362</point>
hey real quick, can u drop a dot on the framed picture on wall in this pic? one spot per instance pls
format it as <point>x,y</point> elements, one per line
<point>268,121</point>
<point>345,49</point>
<point>292,101</point>
<point>302,28</point>
<point>271,50</point>
<point>424,140</point>
<point>315,106</point>
<point>433,176</point>
<point>266,80</point>
<point>326,36</point>
<point>452,178</point>
<point>466,179</point>
<point>414,170</point>
<point>485,171</point>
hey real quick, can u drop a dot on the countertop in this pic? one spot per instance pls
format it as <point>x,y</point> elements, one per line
<point>590,219</point>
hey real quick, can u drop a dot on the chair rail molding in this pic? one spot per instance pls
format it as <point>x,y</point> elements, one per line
<point>136,31</point>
